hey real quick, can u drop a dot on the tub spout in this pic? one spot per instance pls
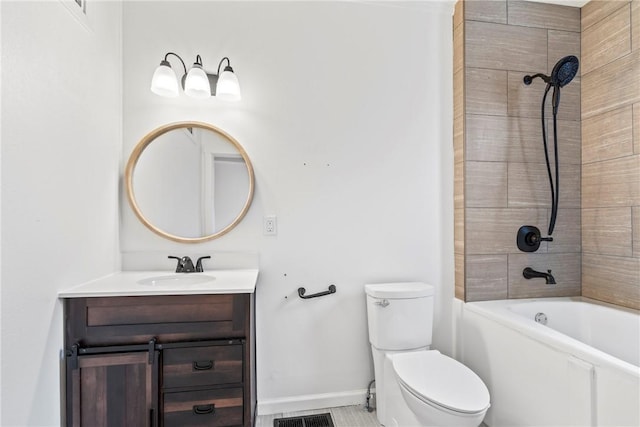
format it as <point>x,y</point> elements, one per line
<point>530,273</point>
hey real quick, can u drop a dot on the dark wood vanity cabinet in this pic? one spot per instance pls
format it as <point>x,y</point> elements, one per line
<point>186,360</point>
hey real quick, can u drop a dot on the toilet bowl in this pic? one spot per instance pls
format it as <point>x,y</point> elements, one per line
<point>417,386</point>
<point>439,390</point>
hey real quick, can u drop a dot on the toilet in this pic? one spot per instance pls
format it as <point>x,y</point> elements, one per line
<point>417,386</point>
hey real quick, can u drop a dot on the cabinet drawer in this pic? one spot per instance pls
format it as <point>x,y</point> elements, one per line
<point>215,408</point>
<point>201,366</point>
<point>135,320</point>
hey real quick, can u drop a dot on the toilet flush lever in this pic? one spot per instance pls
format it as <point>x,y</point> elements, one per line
<point>383,303</point>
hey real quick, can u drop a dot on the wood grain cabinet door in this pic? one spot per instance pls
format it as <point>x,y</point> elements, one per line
<point>117,389</point>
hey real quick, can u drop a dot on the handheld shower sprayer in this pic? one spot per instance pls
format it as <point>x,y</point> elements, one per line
<point>563,72</point>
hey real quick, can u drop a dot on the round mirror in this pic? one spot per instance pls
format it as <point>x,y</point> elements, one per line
<point>189,182</point>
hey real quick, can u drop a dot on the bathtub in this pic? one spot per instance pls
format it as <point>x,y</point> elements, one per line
<point>554,361</point>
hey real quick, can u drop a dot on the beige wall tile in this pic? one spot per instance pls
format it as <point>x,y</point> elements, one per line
<point>607,40</point>
<point>458,185</point>
<point>486,277</point>
<point>636,128</point>
<point>612,279</point>
<point>570,186</point>
<point>494,230</point>
<point>635,25</point>
<point>596,10</point>
<point>529,185</point>
<point>607,231</point>
<point>608,135</point>
<point>459,277</point>
<point>458,13</point>
<point>458,230</point>
<point>635,214</point>
<point>518,139</point>
<point>458,131</point>
<point>458,48</point>
<point>458,97</point>
<point>458,142</point>
<point>486,91</point>
<point>492,138</point>
<point>569,141</point>
<point>504,47</point>
<point>487,11</point>
<point>542,15</point>
<point>486,185</point>
<point>567,235</point>
<point>565,268</point>
<point>525,101</point>
<point>487,138</point>
<point>611,183</point>
<point>611,86</point>
<point>561,44</point>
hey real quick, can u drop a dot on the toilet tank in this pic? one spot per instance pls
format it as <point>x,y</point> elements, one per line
<point>400,315</point>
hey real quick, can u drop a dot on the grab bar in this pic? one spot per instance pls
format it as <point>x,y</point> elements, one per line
<point>301,291</point>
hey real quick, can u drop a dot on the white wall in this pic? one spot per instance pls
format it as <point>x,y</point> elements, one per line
<point>61,153</point>
<point>346,115</point>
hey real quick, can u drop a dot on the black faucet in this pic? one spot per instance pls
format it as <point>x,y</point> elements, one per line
<point>185,265</point>
<point>530,273</point>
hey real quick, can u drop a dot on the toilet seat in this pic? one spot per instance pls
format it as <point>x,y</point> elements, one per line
<point>441,381</point>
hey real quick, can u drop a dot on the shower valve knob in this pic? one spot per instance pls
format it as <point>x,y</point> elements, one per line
<point>529,238</point>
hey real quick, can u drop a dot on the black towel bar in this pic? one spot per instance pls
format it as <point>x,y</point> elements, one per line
<point>301,291</point>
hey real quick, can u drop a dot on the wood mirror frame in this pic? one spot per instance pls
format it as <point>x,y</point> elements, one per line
<point>151,137</point>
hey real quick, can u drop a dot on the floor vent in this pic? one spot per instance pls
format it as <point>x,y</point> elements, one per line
<point>320,420</point>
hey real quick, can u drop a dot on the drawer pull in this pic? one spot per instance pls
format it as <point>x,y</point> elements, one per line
<point>204,409</point>
<point>203,366</point>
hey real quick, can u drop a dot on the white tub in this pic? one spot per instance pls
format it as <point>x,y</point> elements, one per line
<point>581,369</point>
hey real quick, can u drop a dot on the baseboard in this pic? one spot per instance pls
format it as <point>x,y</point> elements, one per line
<point>311,401</point>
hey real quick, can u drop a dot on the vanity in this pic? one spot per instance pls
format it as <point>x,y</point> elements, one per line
<point>154,348</point>
<point>161,349</point>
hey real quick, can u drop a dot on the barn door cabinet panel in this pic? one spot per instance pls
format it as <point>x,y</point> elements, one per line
<point>181,360</point>
<point>114,389</point>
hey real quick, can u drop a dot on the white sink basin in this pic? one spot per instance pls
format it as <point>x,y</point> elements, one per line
<point>177,279</point>
<point>154,282</point>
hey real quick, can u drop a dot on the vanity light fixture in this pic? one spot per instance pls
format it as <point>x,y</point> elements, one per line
<point>196,83</point>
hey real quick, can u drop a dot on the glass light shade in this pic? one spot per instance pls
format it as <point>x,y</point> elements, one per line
<point>164,81</point>
<point>197,83</point>
<point>228,87</point>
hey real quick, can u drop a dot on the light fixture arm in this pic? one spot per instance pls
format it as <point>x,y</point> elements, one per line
<point>228,65</point>
<point>177,56</point>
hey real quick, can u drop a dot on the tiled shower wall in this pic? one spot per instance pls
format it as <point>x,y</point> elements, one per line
<point>501,176</point>
<point>611,152</point>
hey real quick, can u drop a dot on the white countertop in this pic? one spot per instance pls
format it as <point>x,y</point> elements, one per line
<point>127,283</point>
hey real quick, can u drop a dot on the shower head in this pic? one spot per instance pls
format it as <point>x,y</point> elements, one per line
<point>564,71</point>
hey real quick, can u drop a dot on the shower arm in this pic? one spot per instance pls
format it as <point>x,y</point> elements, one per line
<point>528,79</point>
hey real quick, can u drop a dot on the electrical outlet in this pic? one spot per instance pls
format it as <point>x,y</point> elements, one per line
<point>270,225</point>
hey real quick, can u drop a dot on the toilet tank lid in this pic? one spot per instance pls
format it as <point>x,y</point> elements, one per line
<point>399,290</point>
